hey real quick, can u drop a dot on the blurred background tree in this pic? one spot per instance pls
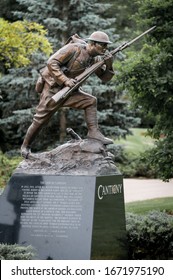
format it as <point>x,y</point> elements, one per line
<point>122,12</point>
<point>148,77</point>
<point>19,40</point>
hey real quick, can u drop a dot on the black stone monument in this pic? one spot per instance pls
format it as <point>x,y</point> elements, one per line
<point>65,217</point>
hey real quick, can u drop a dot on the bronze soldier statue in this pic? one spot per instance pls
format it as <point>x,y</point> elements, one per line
<point>61,70</point>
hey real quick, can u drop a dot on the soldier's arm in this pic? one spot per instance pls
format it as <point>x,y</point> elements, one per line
<point>106,72</point>
<point>56,62</point>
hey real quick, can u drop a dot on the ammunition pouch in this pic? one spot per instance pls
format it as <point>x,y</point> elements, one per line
<point>39,84</point>
<point>46,77</point>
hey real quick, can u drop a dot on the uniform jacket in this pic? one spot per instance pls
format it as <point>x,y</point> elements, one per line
<point>70,61</point>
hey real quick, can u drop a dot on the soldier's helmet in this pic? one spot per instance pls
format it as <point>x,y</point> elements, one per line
<point>99,36</point>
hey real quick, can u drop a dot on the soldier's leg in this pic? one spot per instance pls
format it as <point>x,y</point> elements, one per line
<point>31,134</point>
<point>82,100</point>
<point>92,124</point>
<point>44,111</point>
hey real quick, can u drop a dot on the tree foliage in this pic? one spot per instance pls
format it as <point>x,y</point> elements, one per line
<point>19,40</point>
<point>148,77</point>
<point>6,9</point>
<point>123,12</point>
<point>6,168</point>
<point>65,18</point>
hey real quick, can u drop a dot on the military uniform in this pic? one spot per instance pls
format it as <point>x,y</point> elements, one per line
<point>68,62</point>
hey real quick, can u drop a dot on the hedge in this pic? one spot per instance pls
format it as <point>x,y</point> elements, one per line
<point>150,237</point>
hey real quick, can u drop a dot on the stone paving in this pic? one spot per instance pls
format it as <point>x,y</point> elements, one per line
<point>142,189</point>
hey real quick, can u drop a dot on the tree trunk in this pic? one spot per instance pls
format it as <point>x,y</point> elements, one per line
<point>65,36</point>
<point>63,125</point>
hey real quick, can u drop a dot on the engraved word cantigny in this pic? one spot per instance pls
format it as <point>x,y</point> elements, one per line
<point>108,190</point>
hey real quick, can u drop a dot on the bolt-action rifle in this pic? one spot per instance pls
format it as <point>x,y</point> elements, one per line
<point>65,92</point>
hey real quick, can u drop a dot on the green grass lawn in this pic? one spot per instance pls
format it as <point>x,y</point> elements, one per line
<point>138,142</point>
<point>134,145</point>
<point>142,207</point>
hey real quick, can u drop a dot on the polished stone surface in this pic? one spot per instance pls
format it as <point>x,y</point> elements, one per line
<point>65,217</point>
<point>109,234</point>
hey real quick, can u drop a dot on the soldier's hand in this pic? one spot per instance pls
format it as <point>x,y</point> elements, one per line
<point>70,83</point>
<point>109,60</point>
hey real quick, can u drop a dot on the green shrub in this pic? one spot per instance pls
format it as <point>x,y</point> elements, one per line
<point>16,252</point>
<point>118,152</point>
<point>137,166</point>
<point>150,237</point>
<point>7,166</point>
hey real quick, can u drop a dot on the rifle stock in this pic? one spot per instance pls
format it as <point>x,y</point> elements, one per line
<point>65,92</point>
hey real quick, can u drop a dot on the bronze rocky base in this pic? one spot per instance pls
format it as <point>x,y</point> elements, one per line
<point>76,157</point>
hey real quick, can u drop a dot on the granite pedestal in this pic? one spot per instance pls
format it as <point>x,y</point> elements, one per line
<point>65,217</point>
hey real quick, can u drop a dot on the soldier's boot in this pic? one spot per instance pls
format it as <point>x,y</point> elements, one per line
<point>92,124</point>
<point>31,133</point>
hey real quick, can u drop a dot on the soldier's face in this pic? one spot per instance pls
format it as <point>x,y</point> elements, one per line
<point>97,48</point>
<point>101,47</point>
